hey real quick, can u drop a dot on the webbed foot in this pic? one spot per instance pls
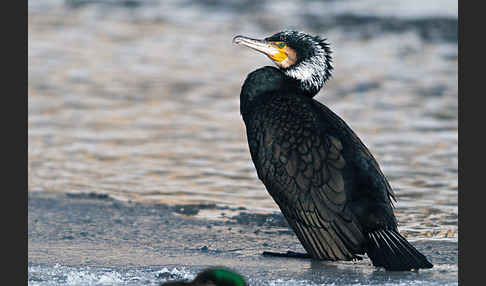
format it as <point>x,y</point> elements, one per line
<point>289,253</point>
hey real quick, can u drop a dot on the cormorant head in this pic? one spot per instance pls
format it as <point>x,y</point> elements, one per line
<point>300,56</point>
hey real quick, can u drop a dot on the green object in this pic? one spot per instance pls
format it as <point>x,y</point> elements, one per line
<point>227,277</point>
<point>217,276</point>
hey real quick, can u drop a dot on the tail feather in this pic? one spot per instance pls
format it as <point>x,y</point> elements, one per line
<point>400,249</point>
<point>388,249</point>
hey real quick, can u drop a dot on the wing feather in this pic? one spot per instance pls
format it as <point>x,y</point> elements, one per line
<point>314,201</point>
<point>302,167</point>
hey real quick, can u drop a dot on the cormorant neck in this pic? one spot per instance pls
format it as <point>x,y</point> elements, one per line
<point>310,87</point>
<point>259,83</point>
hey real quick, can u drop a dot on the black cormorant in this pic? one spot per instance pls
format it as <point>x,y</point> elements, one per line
<point>214,276</point>
<point>326,182</point>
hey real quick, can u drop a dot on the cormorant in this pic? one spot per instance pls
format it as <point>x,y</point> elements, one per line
<point>214,276</point>
<point>326,182</point>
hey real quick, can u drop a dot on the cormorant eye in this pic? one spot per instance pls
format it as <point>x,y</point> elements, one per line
<point>281,45</point>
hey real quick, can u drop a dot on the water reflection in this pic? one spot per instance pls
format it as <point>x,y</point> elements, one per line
<point>143,104</point>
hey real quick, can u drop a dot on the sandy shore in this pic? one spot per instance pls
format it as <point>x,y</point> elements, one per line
<point>91,230</point>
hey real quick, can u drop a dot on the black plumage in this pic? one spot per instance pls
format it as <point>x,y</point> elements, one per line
<point>326,182</point>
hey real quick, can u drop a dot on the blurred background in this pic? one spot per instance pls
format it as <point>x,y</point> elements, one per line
<point>140,99</point>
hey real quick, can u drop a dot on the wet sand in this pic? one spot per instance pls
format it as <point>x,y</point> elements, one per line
<point>92,231</point>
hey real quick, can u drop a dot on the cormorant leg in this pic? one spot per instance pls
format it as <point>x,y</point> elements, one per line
<point>290,254</point>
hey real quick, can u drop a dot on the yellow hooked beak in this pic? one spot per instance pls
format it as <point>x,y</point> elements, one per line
<point>276,51</point>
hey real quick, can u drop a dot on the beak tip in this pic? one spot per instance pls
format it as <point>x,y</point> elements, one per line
<point>237,39</point>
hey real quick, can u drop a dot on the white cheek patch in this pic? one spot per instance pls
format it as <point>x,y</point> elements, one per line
<point>312,72</point>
